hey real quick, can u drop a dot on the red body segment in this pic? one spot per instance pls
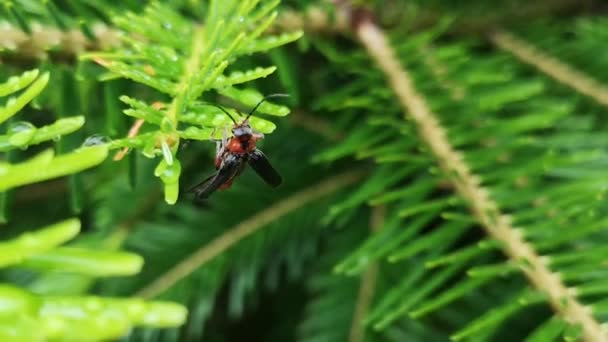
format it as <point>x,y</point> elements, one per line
<point>225,186</point>
<point>236,145</point>
<point>242,144</point>
<point>239,146</point>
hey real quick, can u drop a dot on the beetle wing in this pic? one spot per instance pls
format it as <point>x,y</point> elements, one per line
<point>260,164</point>
<point>228,171</point>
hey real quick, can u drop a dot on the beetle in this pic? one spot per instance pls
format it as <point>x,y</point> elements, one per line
<point>234,153</point>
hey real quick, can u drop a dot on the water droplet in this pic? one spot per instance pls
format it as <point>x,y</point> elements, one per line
<point>36,104</point>
<point>20,133</point>
<point>167,25</point>
<point>21,127</point>
<point>95,140</point>
<point>241,19</point>
<point>57,138</point>
<point>170,175</point>
<point>167,152</point>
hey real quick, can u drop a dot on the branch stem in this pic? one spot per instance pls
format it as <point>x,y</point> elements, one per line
<point>486,211</point>
<point>551,66</point>
<point>242,230</point>
<point>192,66</point>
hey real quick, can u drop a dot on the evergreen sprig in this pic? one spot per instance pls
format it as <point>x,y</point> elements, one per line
<point>530,139</point>
<point>184,61</point>
<point>22,134</point>
<point>526,128</point>
<point>28,315</point>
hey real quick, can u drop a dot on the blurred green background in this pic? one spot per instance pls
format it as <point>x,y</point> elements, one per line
<point>369,238</point>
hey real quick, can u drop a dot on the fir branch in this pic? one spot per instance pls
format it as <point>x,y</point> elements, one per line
<point>244,229</point>
<point>553,67</point>
<point>192,65</point>
<point>317,19</point>
<point>184,61</point>
<point>368,283</point>
<point>468,185</point>
<point>312,19</point>
<point>45,40</point>
<point>48,40</point>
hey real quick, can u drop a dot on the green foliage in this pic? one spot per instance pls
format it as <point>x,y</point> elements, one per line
<point>45,166</point>
<point>23,134</point>
<point>26,315</point>
<point>537,147</point>
<point>500,118</point>
<point>184,61</point>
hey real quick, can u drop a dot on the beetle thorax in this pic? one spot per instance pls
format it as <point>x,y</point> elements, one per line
<point>242,130</point>
<point>241,145</point>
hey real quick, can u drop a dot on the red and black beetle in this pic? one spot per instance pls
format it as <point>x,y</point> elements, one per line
<point>234,153</point>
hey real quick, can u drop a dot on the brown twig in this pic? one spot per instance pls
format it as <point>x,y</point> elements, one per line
<point>132,133</point>
<point>313,20</point>
<point>47,40</point>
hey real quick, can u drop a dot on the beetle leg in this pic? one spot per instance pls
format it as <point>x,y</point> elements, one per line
<point>224,136</point>
<point>221,144</point>
<point>218,148</point>
<point>211,136</point>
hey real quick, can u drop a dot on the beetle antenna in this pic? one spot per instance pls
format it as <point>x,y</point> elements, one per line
<point>223,110</point>
<point>262,100</point>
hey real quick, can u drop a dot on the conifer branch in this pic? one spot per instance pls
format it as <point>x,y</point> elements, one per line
<point>368,283</point>
<point>313,19</point>
<point>316,19</point>
<point>560,71</point>
<point>47,39</point>
<point>244,229</point>
<point>485,210</point>
<point>191,67</point>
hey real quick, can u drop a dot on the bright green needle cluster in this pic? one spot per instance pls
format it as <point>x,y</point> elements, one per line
<point>165,51</point>
<point>29,316</point>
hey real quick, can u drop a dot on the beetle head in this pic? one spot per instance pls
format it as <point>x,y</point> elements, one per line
<point>243,130</point>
